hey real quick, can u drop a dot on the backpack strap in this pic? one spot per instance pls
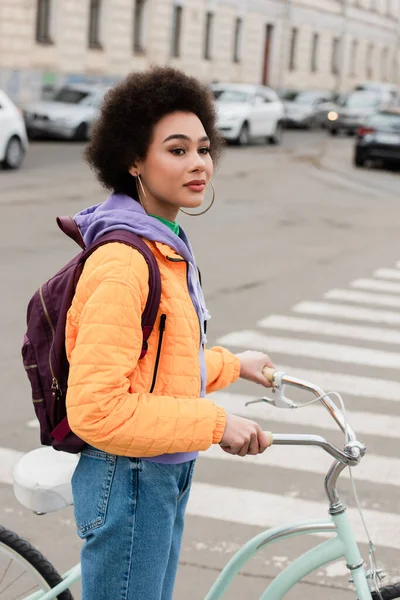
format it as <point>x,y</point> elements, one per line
<point>153,299</point>
<point>71,229</point>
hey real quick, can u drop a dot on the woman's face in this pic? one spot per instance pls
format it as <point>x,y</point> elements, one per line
<point>177,168</point>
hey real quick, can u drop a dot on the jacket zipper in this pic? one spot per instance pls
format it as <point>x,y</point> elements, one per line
<point>55,387</point>
<point>161,329</point>
<point>187,283</point>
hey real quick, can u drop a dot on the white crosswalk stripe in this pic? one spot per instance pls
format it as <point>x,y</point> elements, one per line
<point>310,349</point>
<point>376,285</point>
<point>387,273</point>
<point>343,311</point>
<point>363,298</point>
<point>374,469</point>
<point>330,328</point>
<point>250,507</point>
<point>314,416</point>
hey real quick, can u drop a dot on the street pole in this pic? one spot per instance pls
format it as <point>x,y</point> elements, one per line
<point>284,43</point>
<point>342,53</point>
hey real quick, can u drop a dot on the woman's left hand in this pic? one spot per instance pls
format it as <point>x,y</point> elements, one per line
<point>252,364</point>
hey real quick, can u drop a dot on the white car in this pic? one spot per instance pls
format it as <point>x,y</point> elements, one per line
<point>248,111</point>
<point>13,138</point>
<point>69,115</point>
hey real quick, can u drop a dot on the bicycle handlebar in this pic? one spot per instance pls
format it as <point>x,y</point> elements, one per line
<point>279,380</point>
<point>351,455</point>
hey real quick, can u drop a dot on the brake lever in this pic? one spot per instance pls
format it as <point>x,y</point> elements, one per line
<point>279,402</point>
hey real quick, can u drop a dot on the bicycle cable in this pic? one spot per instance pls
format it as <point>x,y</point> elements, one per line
<point>375,572</point>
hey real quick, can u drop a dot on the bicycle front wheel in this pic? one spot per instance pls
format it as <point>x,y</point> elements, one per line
<point>24,570</point>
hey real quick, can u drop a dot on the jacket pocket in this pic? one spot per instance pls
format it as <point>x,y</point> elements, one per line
<point>161,329</point>
<point>91,487</point>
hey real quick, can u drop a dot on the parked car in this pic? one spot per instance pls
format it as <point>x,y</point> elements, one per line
<point>351,114</point>
<point>307,109</point>
<point>13,138</point>
<point>388,91</point>
<point>246,112</point>
<point>69,115</point>
<point>379,139</point>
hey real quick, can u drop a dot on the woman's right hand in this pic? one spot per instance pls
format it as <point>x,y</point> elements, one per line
<point>243,436</point>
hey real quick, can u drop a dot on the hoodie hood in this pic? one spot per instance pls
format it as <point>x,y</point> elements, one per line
<point>120,211</point>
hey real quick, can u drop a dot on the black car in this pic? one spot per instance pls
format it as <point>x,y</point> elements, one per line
<point>379,139</point>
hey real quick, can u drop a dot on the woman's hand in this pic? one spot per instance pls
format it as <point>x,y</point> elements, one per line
<point>242,436</point>
<point>252,364</point>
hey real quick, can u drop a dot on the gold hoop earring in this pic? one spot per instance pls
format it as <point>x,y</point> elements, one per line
<point>141,185</point>
<point>203,212</point>
<point>141,200</point>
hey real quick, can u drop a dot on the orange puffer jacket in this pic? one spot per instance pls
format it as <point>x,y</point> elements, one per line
<point>108,400</point>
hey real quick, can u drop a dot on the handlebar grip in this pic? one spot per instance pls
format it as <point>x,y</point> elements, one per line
<point>270,437</point>
<point>269,373</point>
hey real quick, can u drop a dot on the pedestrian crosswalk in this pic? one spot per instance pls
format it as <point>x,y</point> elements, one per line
<point>355,328</point>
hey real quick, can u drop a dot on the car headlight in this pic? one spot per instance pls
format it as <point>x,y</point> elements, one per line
<point>333,116</point>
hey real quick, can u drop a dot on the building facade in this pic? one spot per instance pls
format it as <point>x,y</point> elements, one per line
<point>299,44</point>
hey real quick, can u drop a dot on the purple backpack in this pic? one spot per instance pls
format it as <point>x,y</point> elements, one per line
<point>43,350</point>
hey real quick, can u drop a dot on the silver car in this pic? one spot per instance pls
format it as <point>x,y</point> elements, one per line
<point>306,109</point>
<point>69,114</point>
<point>354,110</point>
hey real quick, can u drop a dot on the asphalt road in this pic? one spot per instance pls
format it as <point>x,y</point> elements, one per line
<point>299,258</point>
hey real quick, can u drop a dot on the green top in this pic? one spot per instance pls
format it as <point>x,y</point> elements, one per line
<point>172,225</point>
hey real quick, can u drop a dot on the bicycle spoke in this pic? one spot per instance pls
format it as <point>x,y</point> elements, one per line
<point>11,583</point>
<point>6,571</point>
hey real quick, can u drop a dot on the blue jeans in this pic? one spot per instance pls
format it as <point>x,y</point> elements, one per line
<point>130,512</point>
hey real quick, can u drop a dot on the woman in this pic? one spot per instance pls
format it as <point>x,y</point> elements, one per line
<point>153,146</point>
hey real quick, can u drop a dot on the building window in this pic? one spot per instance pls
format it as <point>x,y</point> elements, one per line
<point>353,58</point>
<point>43,22</point>
<point>395,67</point>
<point>293,49</point>
<point>369,61</point>
<point>138,27</point>
<point>94,24</point>
<point>237,44</point>
<point>384,64</point>
<point>176,31</point>
<point>208,35</point>
<point>314,52</point>
<point>335,56</point>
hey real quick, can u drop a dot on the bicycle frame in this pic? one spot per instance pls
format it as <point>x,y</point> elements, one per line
<point>342,545</point>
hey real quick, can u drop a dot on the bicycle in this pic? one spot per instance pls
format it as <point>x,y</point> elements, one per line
<point>34,491</point>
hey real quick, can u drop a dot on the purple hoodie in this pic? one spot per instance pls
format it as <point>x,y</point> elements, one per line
<point>122,212</point>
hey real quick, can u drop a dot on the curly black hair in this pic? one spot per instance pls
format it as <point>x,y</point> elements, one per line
<point>123,131</point>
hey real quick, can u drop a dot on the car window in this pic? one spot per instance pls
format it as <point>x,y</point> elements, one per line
<point>217,93</point>
<point>233,96</point>
<point>288,95</point>
<point>262,99</point>
<point>362,100</point>
<point>271,96</point>
<point>385,121</point>
<point>70,96</point>
<point>305,98</point>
